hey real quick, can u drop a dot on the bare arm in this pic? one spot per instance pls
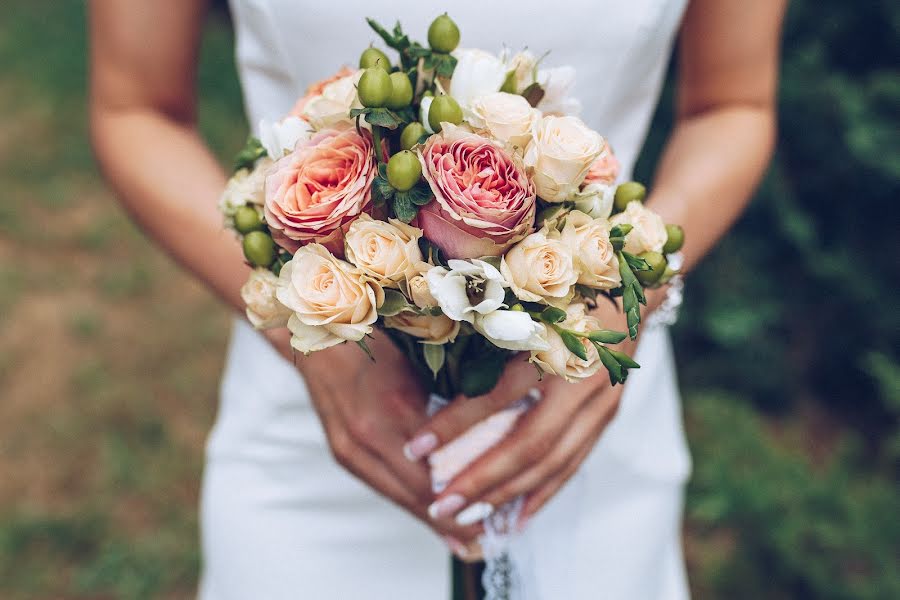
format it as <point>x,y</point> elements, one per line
<point>720,147</point>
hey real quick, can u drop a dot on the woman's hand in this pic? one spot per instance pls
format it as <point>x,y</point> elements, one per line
<point>541,453</point>
<point>368,409</point>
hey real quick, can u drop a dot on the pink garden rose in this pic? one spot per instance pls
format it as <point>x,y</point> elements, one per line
<point>604,170</point>
<point>316,191</point>
<point>484,202</point>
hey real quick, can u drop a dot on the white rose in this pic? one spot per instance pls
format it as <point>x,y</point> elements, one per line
<point>596,200</point>
<point>279,138</point>
<point>558,359</point>
<point>419,292</point>
<point>332,301</point>
<point>540,269</point>
<point>264,311</point>
<point>386,251</point>
<point>557,84</point>
<point>466,289</point>
<point>245,187</point>
<point>512,330</point>
<point>334,103</point>
<point>477,73</point>
<point>648,232</point>
<point>508,118</point>
<point>560,153</point>
<point>595,257</point>
<point>438,329</point>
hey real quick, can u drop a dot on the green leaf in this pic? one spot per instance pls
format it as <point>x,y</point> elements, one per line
<point>606,336</point>
<point>394,304</point>
<point>365,347</point>
<point>623,359</point>
<point>534,93</point>
<point>620,231</point>
<point>478,377</point>
<point>434,357</point>
<point>494,261</point>
<point>572,342</point>
<point>249,154</point>
<point>419,195</point>
<point>355,112</point>
<point>553,315</point>
<point>586,291</point>
<point>635,262</point>
<point>403,207</point>
<point>444,65</point>
<point>382,191</point>
<point>431,253</point>
<point>617,373</point>
<point>383,117</point>
<point>396,40</point>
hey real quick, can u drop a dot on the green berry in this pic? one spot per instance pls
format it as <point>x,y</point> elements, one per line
<point>629,192</point>
<point>374,88</point>
<point>373,57</point>
<point>444,109</point>
<point>404,170</point>
<point>259,248</point>
<point>657,264</point>
<point>443,34</point>
<point>675,239</point>
<point>246,219</point>
<point>411,135</point>
<point>401,91</point>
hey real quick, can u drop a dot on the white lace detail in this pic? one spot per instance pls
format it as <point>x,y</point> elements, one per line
<point>667,313</point>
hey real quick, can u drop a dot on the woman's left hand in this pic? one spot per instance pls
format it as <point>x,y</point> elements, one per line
<point>538,456</point>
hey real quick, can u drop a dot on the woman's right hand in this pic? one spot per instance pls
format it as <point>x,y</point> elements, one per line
<point>369,409</point>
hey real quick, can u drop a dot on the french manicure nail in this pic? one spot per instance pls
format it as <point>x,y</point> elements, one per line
<point>475,513</point>
<point>534,394</point>
<point>420,446</point>
<point>457,547</point>
<point>446,506</point>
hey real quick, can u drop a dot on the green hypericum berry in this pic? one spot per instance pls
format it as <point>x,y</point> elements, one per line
<point>259,248</point>
<point>629,192</point>
<point>657,264</point>
<point>443,34</point>
<point>246,219</point>
<point>401,91</point>
<point>675,239</point>
<point>411,135</point>
<point>373,57</point>
<point>444,109</point>
<point>404,170</point>
<point>374,87</point>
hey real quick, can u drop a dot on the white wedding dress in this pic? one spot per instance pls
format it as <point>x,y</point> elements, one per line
<point>280,519</point>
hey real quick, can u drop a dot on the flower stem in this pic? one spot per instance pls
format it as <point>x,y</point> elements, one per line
<point>380,155</point>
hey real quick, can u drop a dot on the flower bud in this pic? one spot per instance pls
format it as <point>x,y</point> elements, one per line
<point>401,91</point>
<point>259,248</point>
<point>675,239</point>
<point>657,264</point>
<point>443,34</point>
<point>444,109</point>
<point>246,219</point>
<point>404,170</point>
<point>411,135</point>
<point>629,192</point>
<point>374,88</point>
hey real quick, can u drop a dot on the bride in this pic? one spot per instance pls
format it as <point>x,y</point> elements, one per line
<point>281,516</point>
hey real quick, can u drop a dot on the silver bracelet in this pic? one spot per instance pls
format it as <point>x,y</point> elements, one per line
<point>667,313</point>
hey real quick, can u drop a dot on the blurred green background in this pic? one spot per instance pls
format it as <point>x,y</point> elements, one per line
<point>788,344</point>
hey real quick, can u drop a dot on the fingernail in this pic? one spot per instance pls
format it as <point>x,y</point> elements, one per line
<point>535,394</point>
<point>457,547</point>
<point>446,506</point>
<point>420,446</point>
<point>475,513</point>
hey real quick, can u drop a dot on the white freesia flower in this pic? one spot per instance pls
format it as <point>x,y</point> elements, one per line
<point>245,187</point>
<point>264,311</point>
<point>468,288</point>
<point>279,138</point>
<point>512,330</point>
<point>477,73</point>
<point>424,107</point>
<point>557,84</point>
<point>561,153</point>
<point>648,232</point>
<point>595,200</point>
<point>508,118</point>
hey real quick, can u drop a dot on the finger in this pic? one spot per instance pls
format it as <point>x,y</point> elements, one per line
<point>530,441</point>
<point>519,378</point>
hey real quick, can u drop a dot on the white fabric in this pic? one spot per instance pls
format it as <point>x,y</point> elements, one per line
<point>280,519</point>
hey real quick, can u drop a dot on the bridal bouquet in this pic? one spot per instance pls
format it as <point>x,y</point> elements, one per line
<point>449,197</point>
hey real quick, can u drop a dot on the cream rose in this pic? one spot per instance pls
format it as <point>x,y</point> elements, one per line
<point>328,103</point>
<point>264,311</point>
<point>648,232</point>
<point>595,258</point>
<point>332,301</point>
<point>388,252</point>
<point>540,269</point>
<point>245,187</point>
<point>419,292</point>
<point>559,360</point>
<point>507,118</point>
<point>560,154</point>
<point>438,329</point>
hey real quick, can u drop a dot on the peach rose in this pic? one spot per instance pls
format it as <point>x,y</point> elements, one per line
<point>540,269</point>
<point>388,252</point>
<point>484,202</point>
<point>438,329</point>
<point>329,101</point>
<point>559,360</point>
<point>595,257</point>
<point>316,191</point>
<point>419,292</point>
<point>332,301</point>
<point>605,169</point>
